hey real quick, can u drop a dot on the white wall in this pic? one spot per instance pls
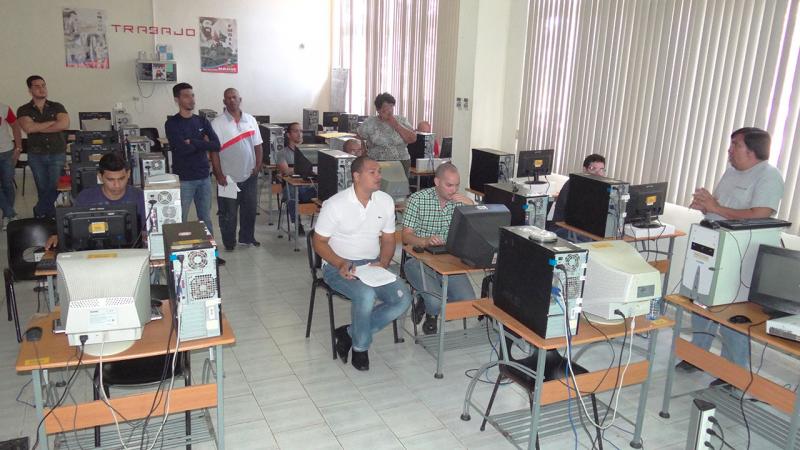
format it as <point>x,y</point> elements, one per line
<point>276,76</point>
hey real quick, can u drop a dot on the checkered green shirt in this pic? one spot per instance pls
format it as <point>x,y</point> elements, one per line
<point>424,215</point>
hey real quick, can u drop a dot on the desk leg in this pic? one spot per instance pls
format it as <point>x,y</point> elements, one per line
<point>51,293</point>
<point>536,408</point>
<point>38,401</point>
<point>665,286</point>
<point>220,399</point>
<point>296,231</point>
<point>269,197</point>
<point>676,333</point>
<point>442,321</point>
<point>651,353</point>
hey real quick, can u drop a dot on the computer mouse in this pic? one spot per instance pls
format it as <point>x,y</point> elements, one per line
<point>33,334</point>
<point>739,319</point>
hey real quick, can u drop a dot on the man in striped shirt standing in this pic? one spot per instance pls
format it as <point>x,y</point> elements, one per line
<point>240,158</point>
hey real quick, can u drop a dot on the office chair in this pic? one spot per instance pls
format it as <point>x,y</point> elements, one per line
<point>25,237</point>
<point>315,265</point>
<point>555,368</point>
<point>303,209</point>
<point>22,163</point>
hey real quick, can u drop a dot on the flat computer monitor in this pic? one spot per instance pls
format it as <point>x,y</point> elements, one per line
<point>84,175</point>
<point>305,160</point>
<point>97,227</point>
<point>105,296</point>
<point>394,180</point>
<point>775,280</point>
<point>646,203</point>
<point>474,234</point>
<point>447,148</point>
<point>330,119</point>
<point>535,163</point>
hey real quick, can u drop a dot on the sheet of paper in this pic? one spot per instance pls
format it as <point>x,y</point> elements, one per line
<point>374,276</point>
<point>228,191</point>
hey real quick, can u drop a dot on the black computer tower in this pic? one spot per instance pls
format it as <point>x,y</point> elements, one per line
<point>348,123</point>
<point>525,208</point>
<point>597,204</point>
<point>273,137</point>
<point>193,279</point>
<point>529,271</point>
<point>489,166</point>
<point>422,147</point>
<point>333,172</point>
<point>310,119</point>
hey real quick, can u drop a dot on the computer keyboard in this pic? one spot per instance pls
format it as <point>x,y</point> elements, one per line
<point>436,249</point>
<point>46,264</point>
<point>752,224</point>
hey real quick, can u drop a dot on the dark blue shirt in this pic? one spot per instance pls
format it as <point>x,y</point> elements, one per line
<point>190,161</point>
<point>94,196</point>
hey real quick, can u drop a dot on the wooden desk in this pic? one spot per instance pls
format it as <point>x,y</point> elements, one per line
<point>335,134</point>
<point>556,391</point>
<point>419,173</point>
<point>779,397</point>
<point>445,265</point>
<point>294,184</point>
<point>53,352</point>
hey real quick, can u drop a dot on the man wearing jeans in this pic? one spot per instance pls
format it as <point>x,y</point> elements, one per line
<point>356,227</point>
<point>192,141</point>
<point>10,148</point>
<point>43,121</point>
<point>240,157</point>
<point>750,188</point>
<point>294,137</point>
<point>426,223</point>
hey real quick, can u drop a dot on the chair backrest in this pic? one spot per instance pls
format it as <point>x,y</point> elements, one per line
<point>314,261</point>
<point>25,236</point>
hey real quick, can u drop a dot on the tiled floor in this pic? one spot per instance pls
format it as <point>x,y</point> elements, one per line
<point>285,391</point>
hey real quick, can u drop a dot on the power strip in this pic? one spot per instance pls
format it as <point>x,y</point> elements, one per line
<point>699,423</point>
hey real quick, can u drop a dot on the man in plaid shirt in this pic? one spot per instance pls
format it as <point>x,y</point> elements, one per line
<point>426,223</point>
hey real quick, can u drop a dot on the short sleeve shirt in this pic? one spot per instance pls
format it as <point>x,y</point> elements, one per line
<point>383,142</point>
<point>44,143</point>
<point>286,155</point>
<point>237,144</point>
<point>355,230</point>
<point>761,186</point>
<point>426,217</point>
<point>7,118</point>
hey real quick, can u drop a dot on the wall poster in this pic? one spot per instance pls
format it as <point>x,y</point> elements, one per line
<point>85,41</point>
<point>219,51</point>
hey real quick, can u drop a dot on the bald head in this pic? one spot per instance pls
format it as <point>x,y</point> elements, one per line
<point>424,127</point>
<point>353,147</point>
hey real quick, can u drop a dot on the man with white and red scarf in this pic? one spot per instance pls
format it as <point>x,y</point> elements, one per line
<point>240,159</point>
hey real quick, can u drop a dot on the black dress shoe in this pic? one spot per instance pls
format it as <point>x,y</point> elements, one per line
<point>361,360</point>
<point>431,324</point>
<point>343,343</point>
<point>300,230</point>
<point>720,382</point>
<point>419,310</point>
<point>687,367</point>
<point>220,261</point>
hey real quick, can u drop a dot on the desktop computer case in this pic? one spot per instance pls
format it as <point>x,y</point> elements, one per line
<point>310,119</point>
<point>151,164</point>
<point>333,172</point>
<point>273,143</point>
<point>422,147</point>
<point>490,166</point>
<point>348,123</point>
<point>162,205</point>
<point>600,206</point>
<point>527,274</point>
<point>526,208</point>
<point>193,279</point>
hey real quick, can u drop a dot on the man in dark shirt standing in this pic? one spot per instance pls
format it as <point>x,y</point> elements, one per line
<point>43,121</point>
<point>193,141</point>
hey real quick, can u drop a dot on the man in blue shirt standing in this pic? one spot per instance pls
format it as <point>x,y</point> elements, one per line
<point>193,141</point>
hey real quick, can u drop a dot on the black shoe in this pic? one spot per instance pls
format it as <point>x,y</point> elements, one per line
<point>250,244</point>
<point>419,310</point>
<point>220,261</point>
<point>361,360</point>
<point>343,342</point>
<point>720,382</point>
<point>300,230</point>
<point>430,325</point>
<point>229,249</point>
<point>687,367</point>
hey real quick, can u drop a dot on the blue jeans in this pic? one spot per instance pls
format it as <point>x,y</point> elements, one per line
<point>245,205</point>
<point>458,286</point>
<point>306,194</point>
<point>200,192</point>
<point>46,169</point>
<point>735,347</point>
<point>367,318</point>
<point>7,191</point>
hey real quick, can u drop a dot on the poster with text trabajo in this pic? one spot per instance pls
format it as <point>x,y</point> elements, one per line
<point>85,41</point>
<point>219,50</point>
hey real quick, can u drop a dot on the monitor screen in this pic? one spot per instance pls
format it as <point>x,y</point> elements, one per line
<point>646,203</point>
<point>330,118</point>
<point>474,234</point>
<point>97,227</point>
<point>776,280</point>
<point>535,163</point>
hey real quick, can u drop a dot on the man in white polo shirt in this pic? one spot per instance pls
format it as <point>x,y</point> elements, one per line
<point>10,148</point>
<point>240,157</point>
<point>356,227</point>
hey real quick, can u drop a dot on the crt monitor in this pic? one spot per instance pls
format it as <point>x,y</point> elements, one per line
<point>394,180</point>
<point>474,234</point>
<point>330,119</point>
<point>646,203</point>
<point>97,227</point>
<point>535,163</point>
<point>305,159</point>
<point>775,280</point>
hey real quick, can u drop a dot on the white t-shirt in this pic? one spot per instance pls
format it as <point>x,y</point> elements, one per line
<point>7,118</point>
<point>761,186</point>
<point>355,230</point>
<point>237,140</point>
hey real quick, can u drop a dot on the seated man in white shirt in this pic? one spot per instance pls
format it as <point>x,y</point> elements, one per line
<point>356,227</point>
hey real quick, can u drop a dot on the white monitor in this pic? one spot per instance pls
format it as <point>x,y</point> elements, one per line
<point>618,277</point>
<point>394,180</point>
<point>105,295</point>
